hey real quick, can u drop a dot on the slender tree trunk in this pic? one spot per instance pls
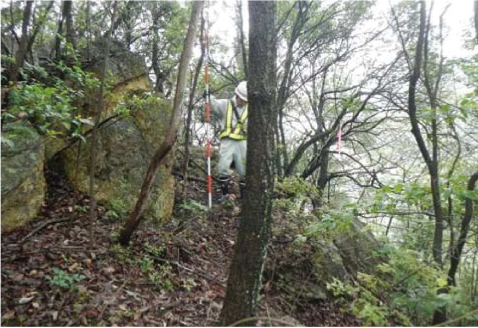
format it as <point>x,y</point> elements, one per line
<point>22,51</point>
<point>242,38</point>
<point>70,29</point>
<point>136,215</point>
<point>59,33</point>
<point>88,29</point>
<point>431,162</point>
<point>191,105</point>
<point>159,85</point>
<point>476,20</point>
<point>94,136</point>
<point>38,26</point>
<point>465,227</point>
<point>282,96</point>
<point>323,177</point>
<point>244,281</point>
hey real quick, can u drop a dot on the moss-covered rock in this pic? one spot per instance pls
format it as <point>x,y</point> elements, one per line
<point>303,270</point>
<point>23,181</point>
<point>53,145</point>
<point>125,148</point>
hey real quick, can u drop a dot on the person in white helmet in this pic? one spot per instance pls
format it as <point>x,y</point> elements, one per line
<point>232,117</point>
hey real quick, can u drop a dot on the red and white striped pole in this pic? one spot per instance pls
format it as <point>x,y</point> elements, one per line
<point>207,103</point>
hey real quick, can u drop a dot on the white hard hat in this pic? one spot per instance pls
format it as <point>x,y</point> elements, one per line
<point>241,90</point>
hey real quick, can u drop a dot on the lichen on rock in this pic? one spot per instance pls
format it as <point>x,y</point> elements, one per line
<point>125,148</point>
<point>23,181</point>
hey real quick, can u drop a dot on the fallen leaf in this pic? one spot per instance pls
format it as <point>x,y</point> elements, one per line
<point>109,270</point>
<point>137,315</point>
<point>18,277</point>
<point>92,313</point>
<point>216,305</point>
<point>25,300</point>
<point>88,263</point>
<point>72,267</point>
<point>123,307</point>
<point>8,315</point>
<point>210,294</point>
<point>36,305</point>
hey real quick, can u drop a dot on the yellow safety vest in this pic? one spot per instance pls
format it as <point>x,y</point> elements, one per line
<point>238,132</point>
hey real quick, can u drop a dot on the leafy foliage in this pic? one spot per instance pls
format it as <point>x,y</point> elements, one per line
<point>49,103</point>
<point>64,279</point>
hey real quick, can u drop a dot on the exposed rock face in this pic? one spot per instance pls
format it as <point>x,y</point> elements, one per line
<point>125,145</point>
<point>304,270</point>
<point>122,64</point>
<point>125,149</point>
<point>356,248</point>
<point>23,181</point>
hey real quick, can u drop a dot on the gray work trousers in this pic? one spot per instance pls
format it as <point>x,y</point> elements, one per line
<point>232,151</point>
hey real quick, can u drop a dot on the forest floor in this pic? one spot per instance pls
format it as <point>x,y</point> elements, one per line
<point>173,275</point>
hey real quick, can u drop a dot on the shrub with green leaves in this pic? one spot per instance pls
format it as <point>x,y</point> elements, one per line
<point>64,279</point>
<point>402,291</point>
<point>191,206</point>
<point>51,104</point>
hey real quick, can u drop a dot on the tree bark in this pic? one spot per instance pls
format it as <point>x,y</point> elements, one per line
<point>59,33</point>
<point>70,29</point>
<point>94,135</point>
<point>465,227</point>
<point>38,26</point>
<point>22,51</point>
<point>242,39</point>
<point>244,281</point>
<point>432,162</point>
<point>159,85</point>
<point>187,137</point>
<point>136,215</point>
<point>476,20</point>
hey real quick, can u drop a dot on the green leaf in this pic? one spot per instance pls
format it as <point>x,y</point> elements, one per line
<point>441,282</point>
<point>86,121</point>
<point>67,125</point>
<point>468,194</point>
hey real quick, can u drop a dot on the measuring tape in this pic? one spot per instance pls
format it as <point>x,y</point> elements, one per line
<point>207,103</point>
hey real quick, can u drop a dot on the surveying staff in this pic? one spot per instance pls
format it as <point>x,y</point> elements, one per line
<point>232,117</point>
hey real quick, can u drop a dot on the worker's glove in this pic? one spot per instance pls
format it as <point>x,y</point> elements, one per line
<point>205,94</point>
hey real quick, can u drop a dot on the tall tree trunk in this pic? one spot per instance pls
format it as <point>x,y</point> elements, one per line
<point>136,215</point>
<point>283,93</point>
<point>59,33</point>
<point>244,281</point>
<point>70,29</point>
<point>465,227</point>
<point>187,137</point>
<point>94,135</point>
<point>323,177</point>
<point>159,85</point>
<point>88,30</point>
<point>22,51</point>
<point>476,20</point>
<point>431,162</point>
<point>37,27</point>
<point>242,39</point>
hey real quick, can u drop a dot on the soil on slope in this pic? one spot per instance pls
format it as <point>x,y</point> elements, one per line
<point>171,275</point>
